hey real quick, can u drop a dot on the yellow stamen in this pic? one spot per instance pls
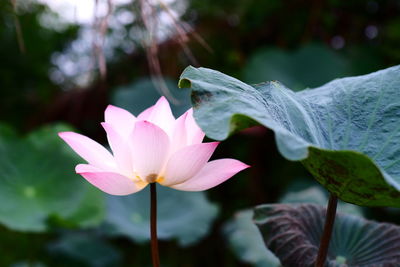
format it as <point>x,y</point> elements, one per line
<point>160,179</point>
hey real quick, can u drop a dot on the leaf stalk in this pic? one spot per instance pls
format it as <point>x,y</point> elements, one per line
<point>328,228</point>
<point>153,225</point>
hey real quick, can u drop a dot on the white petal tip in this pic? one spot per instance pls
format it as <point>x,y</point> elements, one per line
<point>112,107</point>
<point>65,135</point>
<point>104,125</point>
<point>162,98</point>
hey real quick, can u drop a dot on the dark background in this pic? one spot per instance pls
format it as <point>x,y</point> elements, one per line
<point>300,43</point>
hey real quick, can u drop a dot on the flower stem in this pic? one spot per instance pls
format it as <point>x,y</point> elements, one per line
<point>153,225</point>
<point>326,236</point>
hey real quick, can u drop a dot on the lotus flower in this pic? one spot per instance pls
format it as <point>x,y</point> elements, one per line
<point>152,147</point>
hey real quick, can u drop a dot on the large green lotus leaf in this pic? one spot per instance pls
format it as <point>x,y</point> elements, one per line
<point>185,216</point>
<point>38,182</point>
<point>346,133</point>
<point>142,94</point>
<point>293,233</point>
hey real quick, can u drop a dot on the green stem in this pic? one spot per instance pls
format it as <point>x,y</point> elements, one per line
<point>326,236</point>
<point>153,225</point>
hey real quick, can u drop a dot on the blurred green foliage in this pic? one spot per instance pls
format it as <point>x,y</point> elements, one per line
<point>143,93</point>
<point>303,44</point>
<point>297,70</point>
<point>184,216</point>
<point>84,249</point>
<point>38,185</point>
<point>24,74</point>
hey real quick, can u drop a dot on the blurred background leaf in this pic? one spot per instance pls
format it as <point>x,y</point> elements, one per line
<point>37,183</point>
<point>246,241</point>
<point>142,94</point>
<point>184,216</point>
<point>310,66</point>
<point>84,249</point>
<point>28,264</point>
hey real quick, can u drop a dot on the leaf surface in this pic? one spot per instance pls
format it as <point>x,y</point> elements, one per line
<point>346,133</point>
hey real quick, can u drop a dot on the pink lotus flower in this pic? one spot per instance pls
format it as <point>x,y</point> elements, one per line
<point>153,147</point>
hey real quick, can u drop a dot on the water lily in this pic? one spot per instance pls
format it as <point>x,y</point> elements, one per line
<point>153,147</point>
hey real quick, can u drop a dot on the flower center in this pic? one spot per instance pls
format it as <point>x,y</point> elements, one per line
<point>154,178</point>
<point>151,178</point>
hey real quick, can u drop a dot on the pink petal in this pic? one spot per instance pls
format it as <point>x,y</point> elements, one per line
<point>179,136</point>
<point>145,115</point>
<point>120,149</point>
<point>161,115</point>
<point>109,182</point>
<point>185,163</point>
<point>195,134</point>
<point>89,150</point>
<point>213,173</point>
<point>150,147</point>
<point>120,119</point>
